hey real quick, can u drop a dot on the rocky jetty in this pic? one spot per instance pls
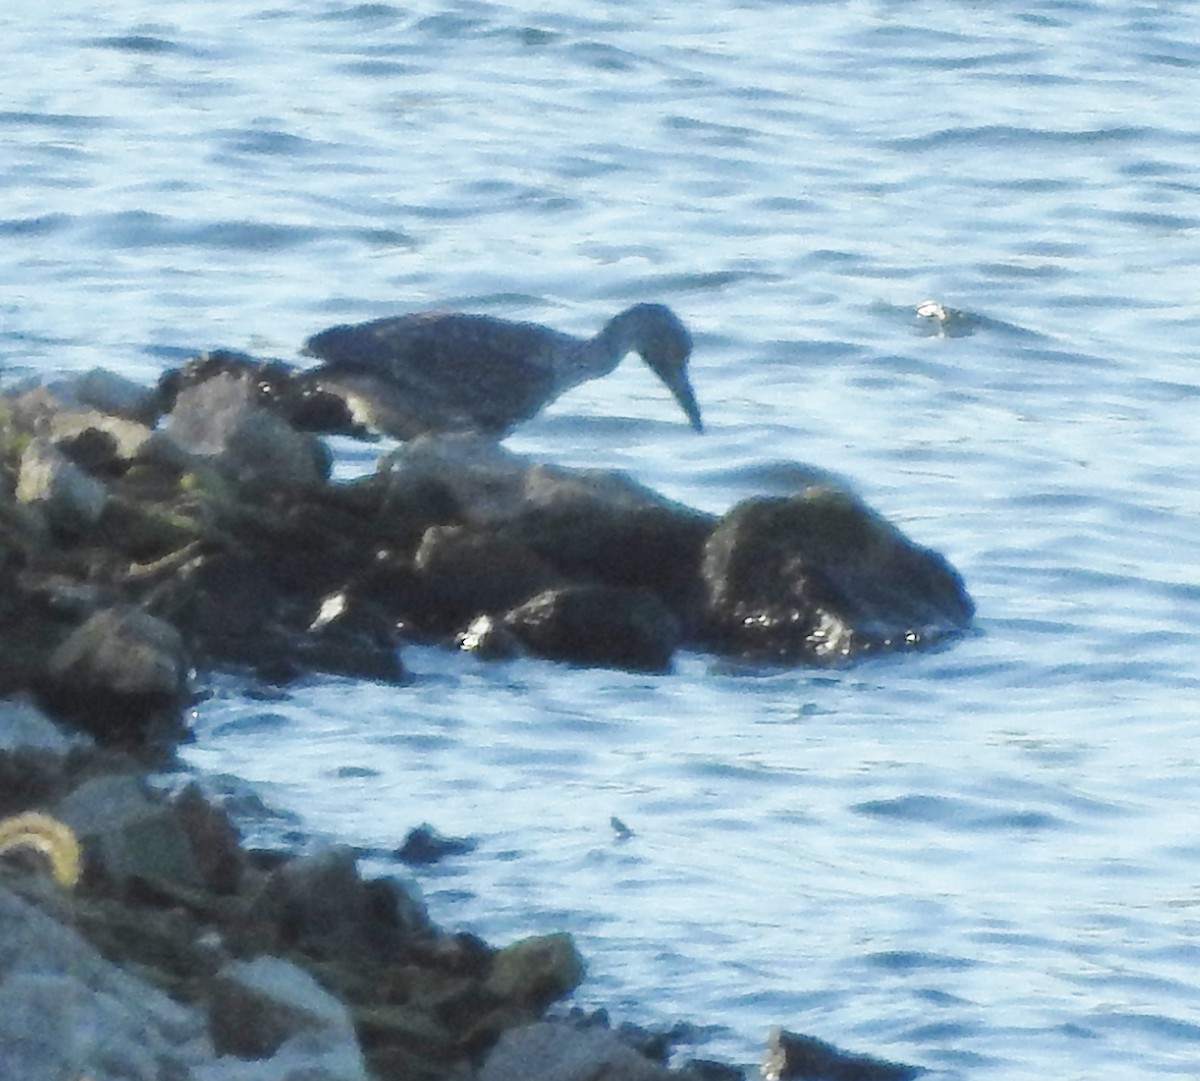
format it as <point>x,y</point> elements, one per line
<point>153,532</point>
<point>149,536</point>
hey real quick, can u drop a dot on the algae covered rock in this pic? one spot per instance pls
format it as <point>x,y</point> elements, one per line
<point>821,577</point>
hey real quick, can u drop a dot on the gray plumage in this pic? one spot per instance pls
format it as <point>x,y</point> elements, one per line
<point>442,372</point>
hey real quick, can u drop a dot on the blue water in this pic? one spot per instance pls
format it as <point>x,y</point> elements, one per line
<point>984,860</point>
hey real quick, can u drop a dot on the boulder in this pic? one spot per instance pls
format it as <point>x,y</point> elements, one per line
<point>593,524</point>
<point>463,572</point>
<point>617,626</point>
<point>220,422</point>
<point>553,1051</point>
<point>130,835</point>
<point>791,1057</point>
<point>70,498</point>
<point>535,972</point>
<point>118,675</point>
<point>66,1012</point>
<point>820,577</point>
<point>319,904</point>
<point>257,1006</point>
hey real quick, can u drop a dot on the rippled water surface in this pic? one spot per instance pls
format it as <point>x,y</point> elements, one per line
<point>983,861</point>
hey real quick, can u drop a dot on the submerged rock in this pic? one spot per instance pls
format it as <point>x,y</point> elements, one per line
<point>821,577</point>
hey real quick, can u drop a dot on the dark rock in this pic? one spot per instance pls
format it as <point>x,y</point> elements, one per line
<point>70,498</point>
<point>212,839</point>
<point>464,572</point>
<point>424,845</point>
<point>703,1069</point>
<point>536,971</point>
<point>601,625</point>
<point>790,1056</point>
<point>594,524</point>
<point>550,1051</point>
<point>121,675</point>
<point>351,637</point>
<point>489,639</point>
<point>219,421</point>
<point>257,1006</point>
<point>319,904</point>
<point>820,577</point>
<point>130,834</point>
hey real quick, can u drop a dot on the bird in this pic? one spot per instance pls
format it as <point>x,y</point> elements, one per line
<point>440,372</point>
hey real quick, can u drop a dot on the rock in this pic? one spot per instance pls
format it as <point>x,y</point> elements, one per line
<point>536,971</point>
<point>820,577</point>
<point>790,1056</point>
<point>593,523</point>
<point>352,637</point>
<point>71,500</point>
<point>26,729</point>
<point>212,839</point>
<point>257,1006</point>
<point>66,1012</point>
<point>463,572</point>
<point>424,845</point>
<point>489,639</point>
<point>220,422</point>
<point>130,835</point>
<point>318,904</point>
<point>550,1051</point>
<point>108,393</point>
<point>601,625</point>
<point>119,675</point>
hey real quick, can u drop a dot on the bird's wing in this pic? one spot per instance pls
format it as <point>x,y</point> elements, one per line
<point>495,372</point>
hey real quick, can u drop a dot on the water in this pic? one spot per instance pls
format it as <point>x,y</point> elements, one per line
<point>981,860</point>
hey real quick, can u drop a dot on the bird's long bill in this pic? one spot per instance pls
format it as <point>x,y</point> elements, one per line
<point>682,391</point>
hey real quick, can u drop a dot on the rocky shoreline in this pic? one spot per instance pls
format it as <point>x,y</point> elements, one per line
<point>149,536</point>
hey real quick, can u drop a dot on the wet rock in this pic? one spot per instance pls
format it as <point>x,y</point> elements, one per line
<point>257,1007</point>
<point>108,393</point>
<point>820,577</point>
<point>352,637</point>
<point>319,904</point>
<point>219,421</point>
<point>551,1051</point>
<point>71,499</point>
<point>464,572</point>
<point>131,835</point>
<point>120,675</point>
<point>791,1057</point>
<point>591,523</point>
<point>536,971</point>
<point>489,639</point>
<point>212,839</point>
<point>424,845</point>
<point>600,625</point>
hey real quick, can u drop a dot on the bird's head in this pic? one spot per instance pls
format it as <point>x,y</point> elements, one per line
<point>665,344</point>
